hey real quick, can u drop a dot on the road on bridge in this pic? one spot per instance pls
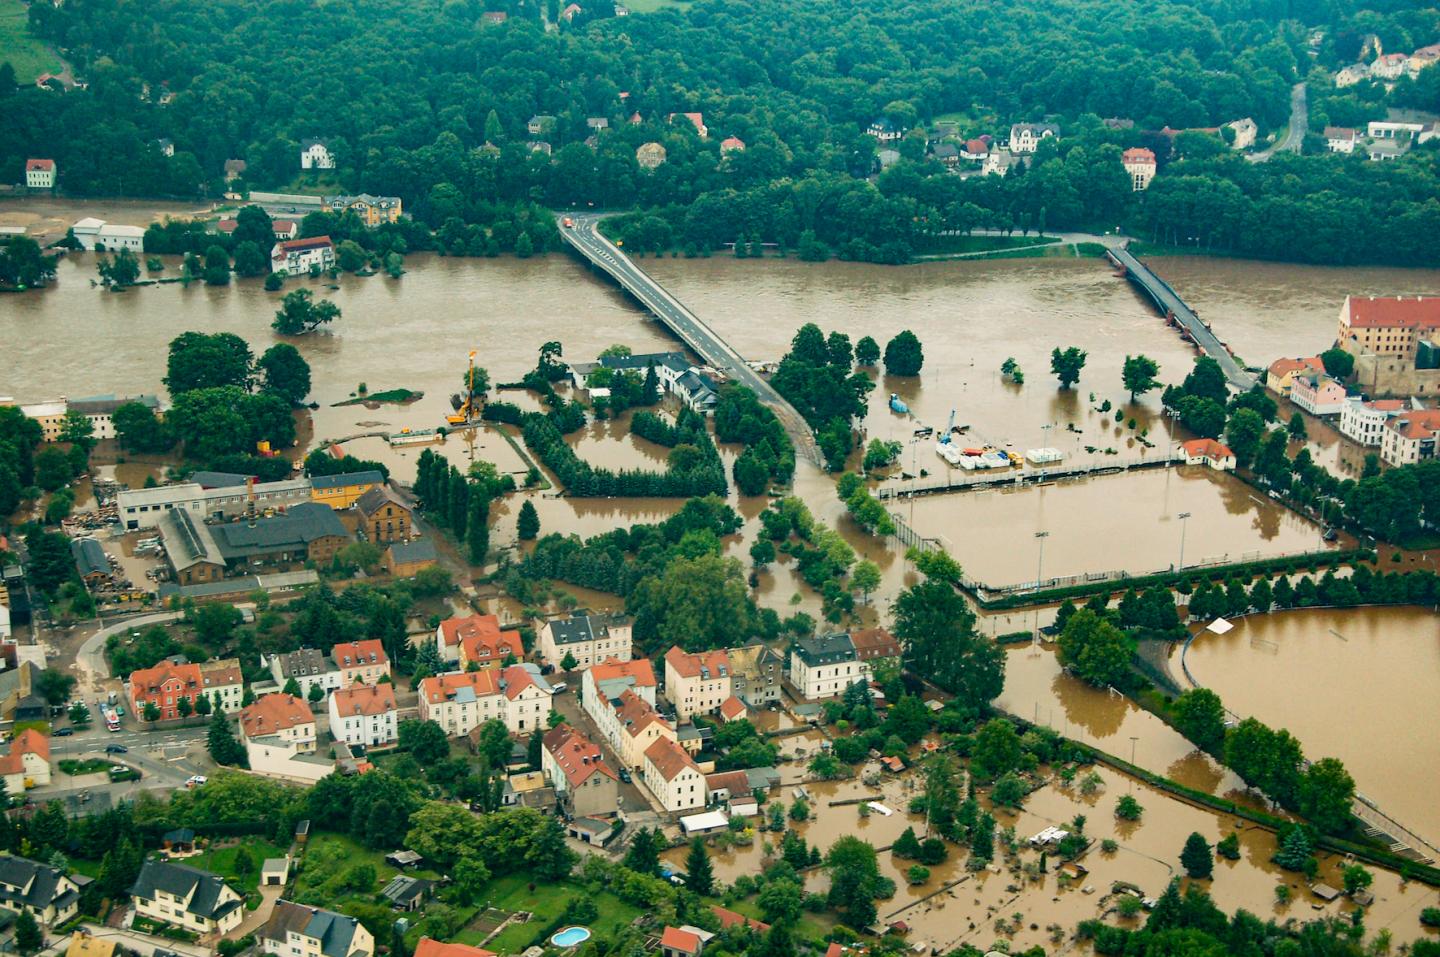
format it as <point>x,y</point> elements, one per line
<point>585,237</point>
<point>1170,302</point>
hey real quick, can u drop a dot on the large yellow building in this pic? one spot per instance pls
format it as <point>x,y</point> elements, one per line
<point>342,491</point>
<point>372,210</point>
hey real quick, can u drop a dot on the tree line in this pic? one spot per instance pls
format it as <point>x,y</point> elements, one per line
<point>694,468</point>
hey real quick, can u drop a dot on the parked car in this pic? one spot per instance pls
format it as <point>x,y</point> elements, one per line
<point>116,749</point>
<point>195,780</point>
<point>560,687</point>
<point>625,775</point>
<point>64,732</point>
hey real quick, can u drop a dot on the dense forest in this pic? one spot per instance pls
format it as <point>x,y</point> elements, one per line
<point>430,101</point>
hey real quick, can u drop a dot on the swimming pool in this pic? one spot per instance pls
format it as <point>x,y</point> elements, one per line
<point>571,937</point>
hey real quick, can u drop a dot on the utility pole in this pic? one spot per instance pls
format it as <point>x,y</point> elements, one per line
<point>1039,570</point>
<point>1183,517</point>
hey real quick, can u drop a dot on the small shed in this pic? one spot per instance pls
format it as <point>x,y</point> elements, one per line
<point>1325,892</point>
<point>591,830</point>
<point>705,822</point>
<point>403,859</point>
<point>179,841</point>
<point>302,832</point>
<point>408,893</point>
<point>275,872</point>
<point>744,808</point>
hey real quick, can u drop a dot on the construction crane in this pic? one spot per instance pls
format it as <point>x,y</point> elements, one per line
<point>464,405</point>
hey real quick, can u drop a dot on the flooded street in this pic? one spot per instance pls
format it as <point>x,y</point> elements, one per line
<point>1361,685</point>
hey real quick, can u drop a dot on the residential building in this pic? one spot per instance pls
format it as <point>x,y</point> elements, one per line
<point>947,154</point>
<point>1280,377</point>
<point>26,764</point>
<point>729,918</point>
<point>732,144</point>
<point>166,147</point>
<point>315,154</point>
<point>1026,137</point>
<point>755,673</point>
<point>998,162</point>
<point>164,686</point>
<point>1318,393</point>
<point>406,893</point>
<point>602,685</point>
<point>281,720</point>
<point>50,416</point>
<point>1389,66</point>
<point>384,516</point>
<point>649,155</point>
<point>112,237</point>
<point>588,639</point>
<point>459,701</point>
<point>478,639</point>
<point>223,683</point>
<point>307,666</point>
<point>885,131</point>
<point>40,173</point>
<point>284,228</point>
<point>99,409</point>
<point>975,150</point>
<point>1422,59</point>
<point>298,930</point>
<point>1209,452</point>
<point>83,945</point>
<point>597,123</point>
<point>407,559</point>
<point>1350,75</point>
<point>360,662</point>
<point>734,709</point>
<point>343,490</point>
<point>824,666</point>
<point>1410,437</point>
<point>540,124</point>
<point>430,947</point>
<point>630,726</point>
<point>45,892</point>
<point>372,210</point>
<point>876,647</point>
<point>680,942</point>
<point>696,120</point>
<point>673,777</point>
<point>886,158</point>
<point>1389,130</point>
<point>143,507</point>
<point>298,256</point>
<point>540,146</point>
<point>364,714</point>
<point>1388,326</point>
<point>194,900</point>
<point>696,683</point>
<point>1364,421</point>
<point>585,784</point>
<point>1340,139</point>
<point>1140,165</point>
<point>528,706</point>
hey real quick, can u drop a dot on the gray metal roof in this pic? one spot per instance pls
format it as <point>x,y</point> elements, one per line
<point>301,525</point>
<point>421,550</point>
<point>205,894</point>
<point>826,650</point>
<point>32,884</point>
<point>89,557</point>
<point>367,477</point>
<point>208,479</point>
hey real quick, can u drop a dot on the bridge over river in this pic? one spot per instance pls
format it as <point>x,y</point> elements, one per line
<point>584,237</point>
<point>1171,306</point>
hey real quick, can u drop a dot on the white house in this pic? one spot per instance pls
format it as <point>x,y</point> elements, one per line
<point>1026,137</point>
<point>998,162</point>
<point>462,700</point>
<point>1209,452</point>
<point>1139,163</point>
<point>299,930</point>
<point>1340,139</point>
<point>604,683</point>
<point>697,683</point>
<point>1388,130</point>
<point>100,408</point>
<point>1245,130</point>
<point>673,777</point>
<point>528,695</point>
<point>885,131</point>
<point>296,256</point>
<point>280,719</point>
<point>630,725</point>
<point>40,173</point>
<point>1364,422</point>
<point>114,238</point>
<point>364,715</point>
<point>315,154</point>
<point>1410,437</point>
<point>1389,66</point>
<point>823,667</point>
<point>46,892</point>
<point>308,666</point>
<point>589,639</point>
<point>194,900</point>
<point>222,681</point>
<point>1351,75</point>
<point>27,763</point>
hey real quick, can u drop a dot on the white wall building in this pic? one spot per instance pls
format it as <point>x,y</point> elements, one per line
<point>307,666</point>
<point>195,900</point>
<point>673,777</point>
<point>589,639</point>
<point>296,256</point>
<point>1026,137</point>
<point>114,238</point>
<point>40,173</point>
<point>142,507</point>
<point>315,154</point>
<point>1364,422</point>
<point>823,667</point>
<point>697,684</point>
<point>1410,437</point>
<point>364,715</point>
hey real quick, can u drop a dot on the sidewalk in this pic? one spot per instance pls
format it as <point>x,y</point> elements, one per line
<point>144,944</point>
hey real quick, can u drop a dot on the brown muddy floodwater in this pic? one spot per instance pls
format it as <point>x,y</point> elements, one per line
<point>1127,522</point>
<point>1360,684</point>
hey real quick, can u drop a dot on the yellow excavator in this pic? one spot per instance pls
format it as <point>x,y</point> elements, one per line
<point>464,405</point>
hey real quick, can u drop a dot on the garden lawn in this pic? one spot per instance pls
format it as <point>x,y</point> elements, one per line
<point>222,861</point>
<point>547,902</point>
<point>28,55</point>
<point>811,927</point>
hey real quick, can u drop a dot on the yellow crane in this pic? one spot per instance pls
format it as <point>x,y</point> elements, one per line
<point>464,405</point>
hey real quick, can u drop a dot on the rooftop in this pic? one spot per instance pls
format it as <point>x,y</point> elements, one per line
<point>274,713</point>
<point>347,479</point>
<point>1393,312</point>
<point>361,699</point>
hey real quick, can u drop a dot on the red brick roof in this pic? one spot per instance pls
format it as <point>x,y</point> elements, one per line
<point>149,681</point>
<point>732,708</point>
<point>299,245</point>
<point>691,666</point>
<point>517,678</point>
<point>364,699</point>
<point>683,940</point>
<point>670,759</point>
<point>358,654</point>
<point>1393,312</point>
<point>635,713</point>
<point>579,757</point>
<point>454,630</point>
<point>874,643</point>
<point>1208,448</point>
<point>483,648</point>
<point>39,164</point>
<point>1284,367</point>
<point>437,688</point>
<point>639,669</point>
<point>736,782</point>
<point>430,947</point>
<point>26,742</point>
<point>729,918</point>
<point>1421,424</point>
<point>1138,154</point>
<point>273,713</point>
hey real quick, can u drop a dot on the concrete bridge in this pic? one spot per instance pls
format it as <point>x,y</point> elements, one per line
<point>584,237</point>
<point>1172,307</point>
<point>953,481</point>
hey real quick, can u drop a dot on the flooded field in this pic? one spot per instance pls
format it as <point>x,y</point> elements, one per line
<point>992,533</point>
<point>1362,685</point>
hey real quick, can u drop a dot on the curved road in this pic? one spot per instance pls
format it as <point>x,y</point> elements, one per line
<point>1294,137</point>
<point>586,239</point>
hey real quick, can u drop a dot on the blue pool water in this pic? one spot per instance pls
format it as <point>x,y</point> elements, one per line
<point>570,937</point>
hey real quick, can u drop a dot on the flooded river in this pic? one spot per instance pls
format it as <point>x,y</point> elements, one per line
<point>1361,685</point>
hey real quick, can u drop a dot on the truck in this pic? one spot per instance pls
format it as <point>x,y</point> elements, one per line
<point>112,720</point>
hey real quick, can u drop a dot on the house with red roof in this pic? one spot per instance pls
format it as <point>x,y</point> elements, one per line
<point>1364,421</point>
<point>1280,377</point>
<point>164,686</point>
<point>1208,452</point>
<point>1139,163</point>
<point>674,777</point>
<point>697,683</point>
<point>363,714</point>
<point>733,709</point>
<point>430,947</point>
<point>585,784</point>
<point>297,256</point>
<point>696,120</point>
<point>360,662</point>
<point>1388,326</point>
<point>40,173</point>
<point>27,763</point>
<point>452,631</point>
<point>729,918</point>
<point>732,144</point>
<point>678,942</point>
<point>1410,437</point>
